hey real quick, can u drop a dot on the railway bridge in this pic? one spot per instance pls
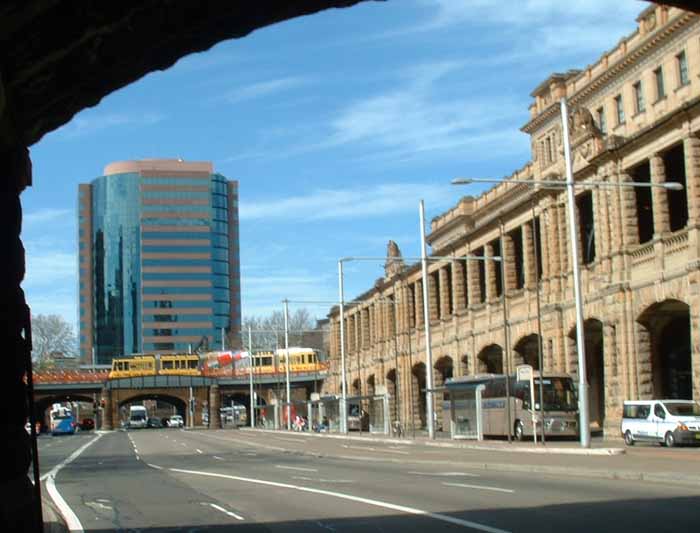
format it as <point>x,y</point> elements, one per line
<point>191,396</point>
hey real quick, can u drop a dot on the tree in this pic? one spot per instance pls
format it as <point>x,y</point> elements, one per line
<point>268,331</point>
<point>51,333</point>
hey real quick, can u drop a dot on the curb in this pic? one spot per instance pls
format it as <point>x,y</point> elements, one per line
<point>606,452</point>
<point>53,519</point>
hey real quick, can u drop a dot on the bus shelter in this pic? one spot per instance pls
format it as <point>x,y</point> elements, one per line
<point>368,413</point>
<point>466,415</point>
<point>324,414</point>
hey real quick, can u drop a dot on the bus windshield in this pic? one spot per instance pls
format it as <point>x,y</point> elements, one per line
<point>558,393</point>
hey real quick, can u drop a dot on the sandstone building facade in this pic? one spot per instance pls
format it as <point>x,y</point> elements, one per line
<point>635,118</point>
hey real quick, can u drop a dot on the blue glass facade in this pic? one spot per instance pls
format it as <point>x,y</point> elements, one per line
<point>148,265</point>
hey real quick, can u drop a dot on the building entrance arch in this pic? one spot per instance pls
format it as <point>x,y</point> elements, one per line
<point>595,367</point>
<point>526,351</point>
<point>664,350</point>
<point>179,404</point>
<point>490,360</point>
<point>419,411</point>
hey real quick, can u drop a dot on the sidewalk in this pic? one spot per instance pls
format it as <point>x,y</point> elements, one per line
<point>606,459</point>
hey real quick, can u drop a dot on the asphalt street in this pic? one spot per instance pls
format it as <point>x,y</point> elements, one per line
<point>229,480</point>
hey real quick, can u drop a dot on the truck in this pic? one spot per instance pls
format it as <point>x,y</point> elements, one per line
<point>138,417</point>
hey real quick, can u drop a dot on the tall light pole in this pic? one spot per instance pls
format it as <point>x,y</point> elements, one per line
<point>343,377</point>
<point>585,426</point>
<point>426,320</point>
<point>568,185</point>
<point>250,376</point>
<point>286,364</point>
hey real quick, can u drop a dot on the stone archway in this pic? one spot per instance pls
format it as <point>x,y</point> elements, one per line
<point>526,351</point>
<point>41,406</point>
<point>121,407</point>
<point>490,360</point>
<point>664,351</point>
<point>419,409</point>
<point>444,370</point>
<point>465,364</point>
<point>392,390</point>
<point>356,387</point>
<point>370,385</point>
<point>595,367</point>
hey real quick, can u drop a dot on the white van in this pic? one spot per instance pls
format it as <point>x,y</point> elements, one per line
<point>668,422</point>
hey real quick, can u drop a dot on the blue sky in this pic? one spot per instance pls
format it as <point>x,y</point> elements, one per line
<point>335,126</point>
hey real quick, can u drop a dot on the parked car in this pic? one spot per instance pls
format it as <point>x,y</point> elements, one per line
<point>154,423</point>
<point>668,422</point>
<point>176,421</point>
<point>87,424</point>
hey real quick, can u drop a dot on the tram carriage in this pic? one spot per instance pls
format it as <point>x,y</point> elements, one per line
<point>216,363</point>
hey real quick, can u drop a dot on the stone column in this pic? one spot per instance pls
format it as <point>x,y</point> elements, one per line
<point>691,147</point>
<point>508,255</point>
<point>659,197</point>
<point>563,239</point>
<point>410,308</point>
<point>490,271</point>
<point>459,298</point>
<point>554,262</point>
<point>529,256</point>
<point>473,286</point>
<point>611,372</point>
<point>433,296</point>
<point>445,310</point>
<point>214,407</point>
<point>18,512</point>
<point>107,410</point>
<point>418,293</point>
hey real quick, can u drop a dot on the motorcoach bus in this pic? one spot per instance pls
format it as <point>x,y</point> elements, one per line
<point>559,398</point>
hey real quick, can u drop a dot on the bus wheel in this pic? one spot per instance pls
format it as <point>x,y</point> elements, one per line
<point>519,431</point>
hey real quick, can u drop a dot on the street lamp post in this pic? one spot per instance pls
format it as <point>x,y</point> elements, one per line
<point>343,377</point>
<point>286,364</point>
<point>426,320</point>
<point>250,376</point>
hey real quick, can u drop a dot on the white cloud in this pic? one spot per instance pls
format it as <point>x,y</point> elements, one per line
<point>46,269</point>
<point>88,123</point>
<point>549,26</point>
<point>324,204</point>
<point>43,216</point>
<point>265,88</point>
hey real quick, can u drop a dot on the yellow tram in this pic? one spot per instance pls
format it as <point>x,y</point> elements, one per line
<point>151,365</point>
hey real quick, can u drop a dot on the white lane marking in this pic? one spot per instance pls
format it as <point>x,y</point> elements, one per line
<point>69,516</point>
<point>243,441</point>
<point>370,449</point>
<point>219,508</point>
<point>198,450</point>
<point>343,496</point>
<point>480,487</point>
<point>297,468</point>
<point>251,454</point>
<point>321,480</point>
<point>136,450</point>
<point>444,474</point>
<point>138,457</point>
<point>183,444</point>
<point>155,466</point>
<point>218,458</point>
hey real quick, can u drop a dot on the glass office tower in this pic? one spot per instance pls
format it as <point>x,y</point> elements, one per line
<point>158,259</point>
